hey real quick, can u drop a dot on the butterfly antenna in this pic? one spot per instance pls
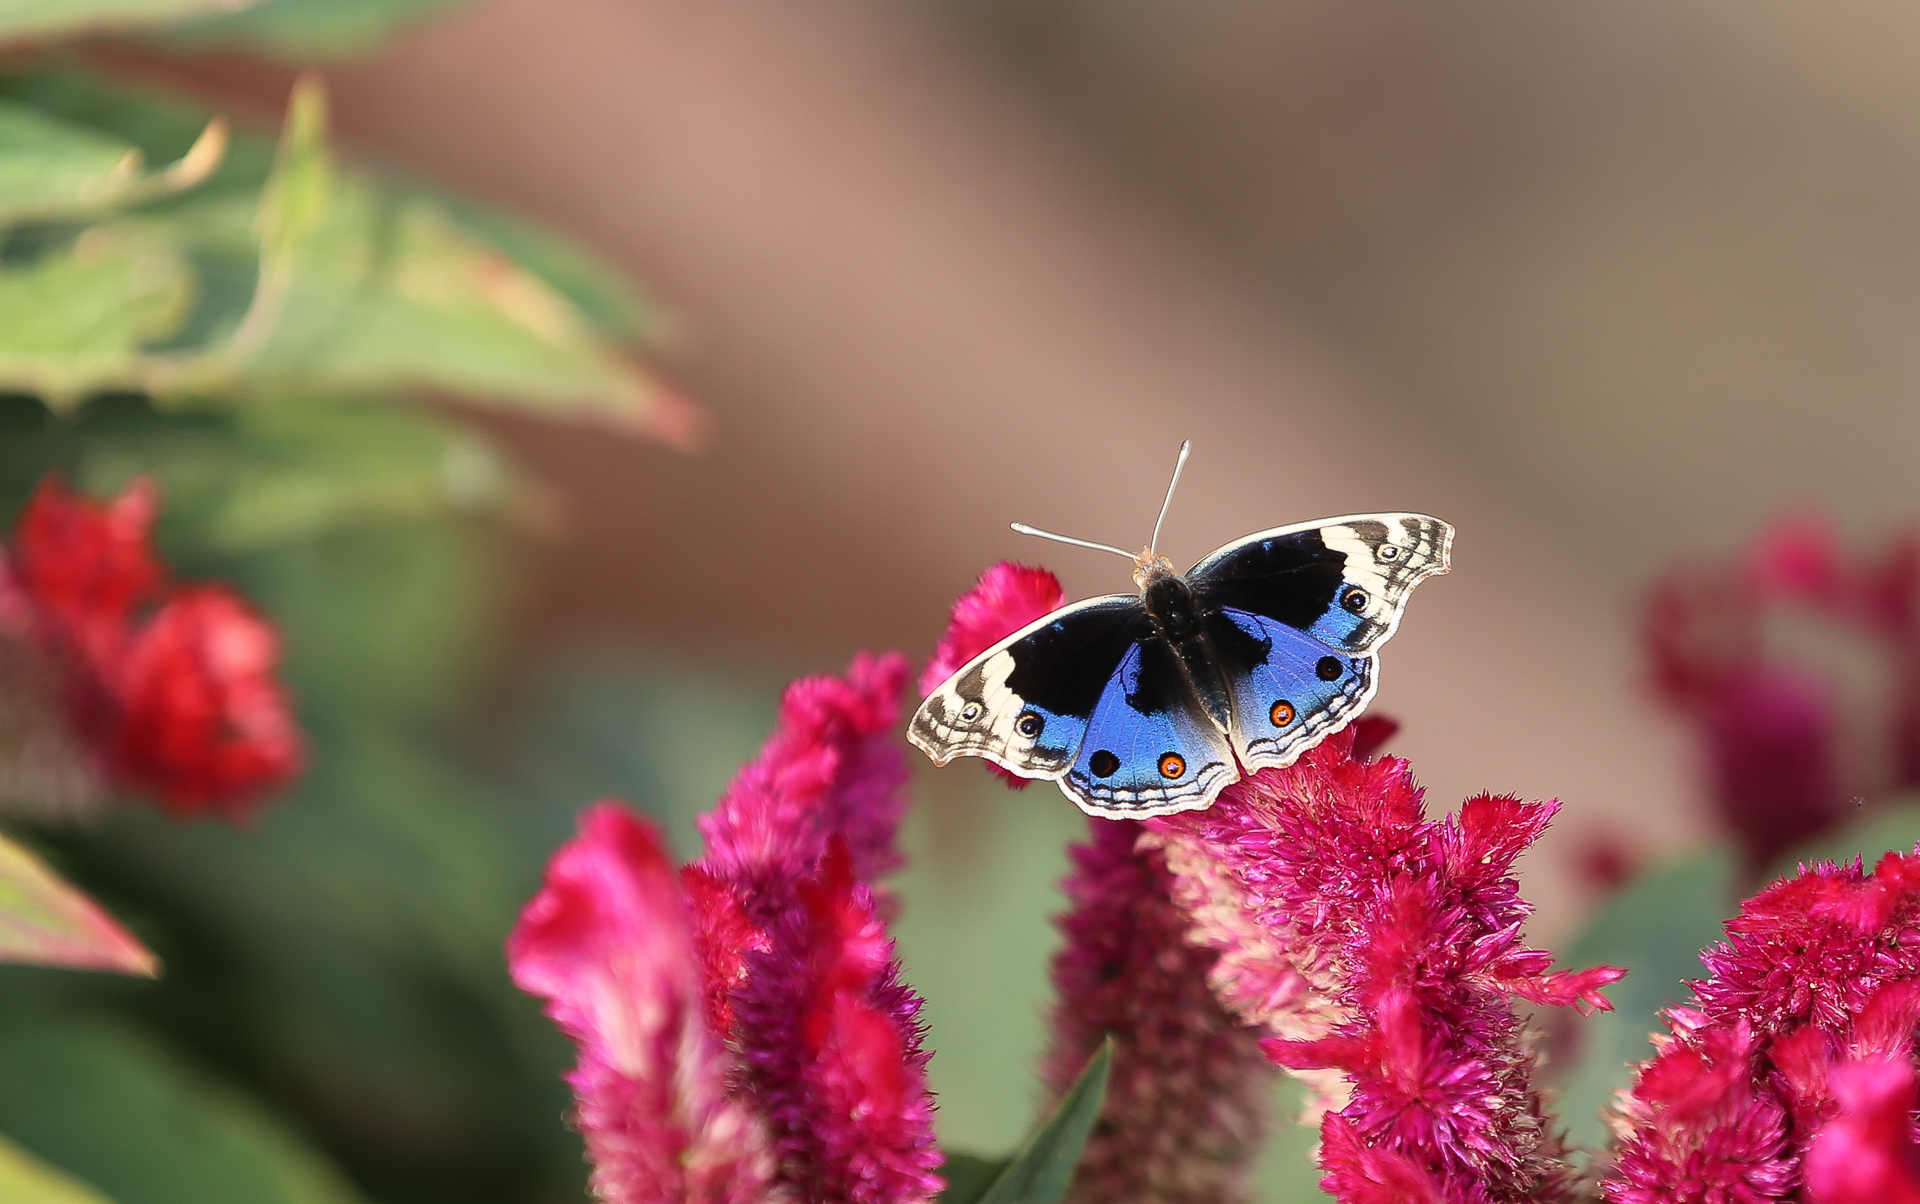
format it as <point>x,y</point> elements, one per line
<point>1186,448</point>
<point>1024,529</point>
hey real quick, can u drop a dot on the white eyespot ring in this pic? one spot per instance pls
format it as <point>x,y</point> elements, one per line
<point>1389,552</point>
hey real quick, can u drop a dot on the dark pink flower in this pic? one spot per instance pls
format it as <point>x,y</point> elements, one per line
<point>1866,1154</point>
<point>1819,976</point>
<point>1185,1108</point>
<point>1008,597</point>
<point>1767,720</point>
<point>791,930</point>
<point>1383,950</point>
<point>607,944</point>
<point>171,690</point>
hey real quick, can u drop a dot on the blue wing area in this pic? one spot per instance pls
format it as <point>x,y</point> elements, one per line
<point>1290,691</point>
<point>1148,749</point>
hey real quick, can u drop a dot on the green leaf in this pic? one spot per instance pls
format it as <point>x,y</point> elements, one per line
<point>45,922</point>
<point>25,1179</point>
<point>55,169</point>
<point>108,1103</point>
<point>1043,1169</point>
<point>21,20</point>
<point>76,319</point>
<point>311,30</point>
<point>1655,928</point>
<point>968,1177</point>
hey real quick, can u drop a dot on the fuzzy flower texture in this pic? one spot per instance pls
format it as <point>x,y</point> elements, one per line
<point>118,678</point>
<point>744,1034</point>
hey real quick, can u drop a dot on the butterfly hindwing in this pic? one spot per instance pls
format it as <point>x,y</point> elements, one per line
<point>1290,691</point>
<point>1148,750</point>
<point>1025,703</point>
<point>1344,581</point>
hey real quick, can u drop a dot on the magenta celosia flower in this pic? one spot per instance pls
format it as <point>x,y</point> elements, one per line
<point>1186,1096</point>
<point>1813,995</point>
<point>790,928</point>
<point>1384,947</point>
<point>1767,720</point>
<point>1184,1112</point>
<point>608,945</point>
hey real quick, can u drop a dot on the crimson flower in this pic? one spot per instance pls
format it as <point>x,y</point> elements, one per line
<point>766,970</point>
<point>1795,1061</point>
<point>1768,720</point>
<point>1383,951</point>
<point>171,690</point>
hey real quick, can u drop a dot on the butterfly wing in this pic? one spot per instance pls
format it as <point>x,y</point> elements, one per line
<point>1148,749</point>
<point>1290,691</point>
<point>1024,703</point>
<point>1344,581</point>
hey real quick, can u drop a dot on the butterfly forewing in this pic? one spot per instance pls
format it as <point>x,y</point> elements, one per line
<point>1024,704</point>
<point>1344,581</point>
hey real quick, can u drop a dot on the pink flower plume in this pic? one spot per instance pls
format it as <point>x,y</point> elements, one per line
<point>1185,1107</point>
<point>1383,951</point>
<point>607,944</point>
<point>790,931</point>
<point>1796,1055</point>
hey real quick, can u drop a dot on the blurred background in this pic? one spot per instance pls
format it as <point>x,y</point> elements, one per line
<point>1606,286</point>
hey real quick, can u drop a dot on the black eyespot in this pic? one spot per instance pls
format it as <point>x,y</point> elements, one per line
<point>1104,764</point>
<point>1328,669</point>
<point>1354,600</point>
<point>970,712</point>
<point>1029,725</point>
<point>1389,552</point>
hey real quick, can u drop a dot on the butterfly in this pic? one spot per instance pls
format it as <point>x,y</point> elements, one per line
<point>1152,703</point>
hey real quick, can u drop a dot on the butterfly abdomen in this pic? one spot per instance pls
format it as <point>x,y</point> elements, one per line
<point>1177,620</point>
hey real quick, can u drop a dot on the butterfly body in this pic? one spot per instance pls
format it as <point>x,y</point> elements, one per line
<point>1151,703</point>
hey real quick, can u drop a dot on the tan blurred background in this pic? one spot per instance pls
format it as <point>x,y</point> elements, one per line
<point>1605,285</point>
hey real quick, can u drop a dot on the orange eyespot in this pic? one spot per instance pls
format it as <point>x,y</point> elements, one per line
<point>1281,714</point>
<point>1172,765</point>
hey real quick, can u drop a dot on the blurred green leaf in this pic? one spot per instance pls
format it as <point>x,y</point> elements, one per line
<point>311,30</point>
<point>51,168</point>
<point>25,1179</point>
<point>111,1105</point>
<point>1655,928</point>
<point>22,20</point>
<point>1043,1169</point>
<point>76,319</point>
<point>45,922</point>
<point>968,1177</point>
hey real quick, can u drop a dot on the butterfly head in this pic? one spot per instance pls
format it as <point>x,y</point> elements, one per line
<point>1148,567</point>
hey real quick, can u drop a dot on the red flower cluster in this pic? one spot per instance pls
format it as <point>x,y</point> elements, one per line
<point>772,990</point>
<point>1795,1065</point>
<point>173,691</point>
<point>1769,722</point>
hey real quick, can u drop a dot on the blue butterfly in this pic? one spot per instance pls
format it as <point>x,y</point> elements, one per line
<point>1153,703</point>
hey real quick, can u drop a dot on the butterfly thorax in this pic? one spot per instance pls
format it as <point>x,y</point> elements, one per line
<point>1177,620</point>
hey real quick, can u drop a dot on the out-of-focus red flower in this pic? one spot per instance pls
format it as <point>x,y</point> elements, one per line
<point>84,566</point>
<point>1008,597</point>
<point>172,690</point>
<point>1819,975</point>
<point>1386,947</point>
<point>607,944</point>
<point>202,721</point>
<point>791,929</point>
<point>1767,720</point>
<point>1866,1154</point>
<point>1186,1099</point>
